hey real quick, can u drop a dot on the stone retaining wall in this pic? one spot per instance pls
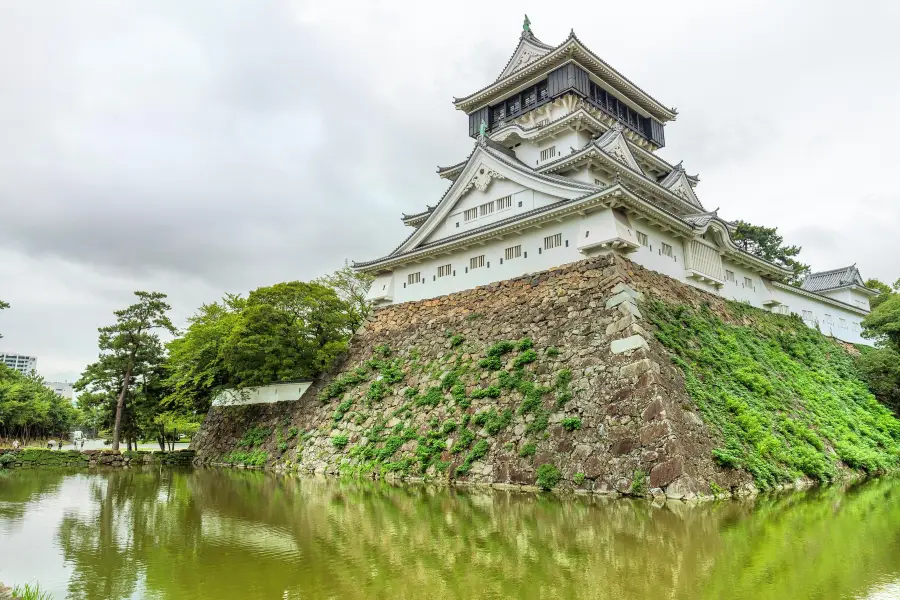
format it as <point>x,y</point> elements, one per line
<point>623,424</point>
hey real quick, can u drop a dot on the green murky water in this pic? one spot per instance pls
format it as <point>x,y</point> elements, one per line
<point>247,535</point>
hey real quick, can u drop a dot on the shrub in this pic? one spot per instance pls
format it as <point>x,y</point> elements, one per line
<point>448,427</point>
<point>638,484</point>
<point>339,441</point>
<point>500,348</point>
<point>432,397</point>
<point>488,392</point>
<point>548,476</point>
<point>342,383</point>
<point>524,344</point>
<point>255,436</point>
<point>552,352</point>
<point>383,350</point>
<point>492,421</point>
<point>571,423</point>
<point>528,449</point>
<point>459,396</point>
<point>578,478</point>
<point>292,432</point>
<point>456,340</point>
<point>492,363</point>
<point>256,458</point>
<point>529,356</point>
<point>478,451</point>
<point>377,391</point>
<point>465,439</point>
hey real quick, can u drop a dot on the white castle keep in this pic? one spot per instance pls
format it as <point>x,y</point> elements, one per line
<point>565,167</point>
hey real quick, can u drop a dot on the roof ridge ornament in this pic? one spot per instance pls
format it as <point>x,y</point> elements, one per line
<point>526,26</point>
<point>482,133</point>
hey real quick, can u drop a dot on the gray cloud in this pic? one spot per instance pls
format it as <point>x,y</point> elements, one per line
<point>204,147</point>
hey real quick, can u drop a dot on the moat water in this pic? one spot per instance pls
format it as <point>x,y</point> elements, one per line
<point>219,534</point>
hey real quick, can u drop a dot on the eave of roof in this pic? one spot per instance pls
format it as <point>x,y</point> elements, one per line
<point>626,170</point>
<point>569,48</point>
<point>618,191</point>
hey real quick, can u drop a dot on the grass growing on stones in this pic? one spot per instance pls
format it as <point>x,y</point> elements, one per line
<point>638,484</point>
<point>571,423</point>
<point>254,458</point>
<point>339,441</point>
<point>528,449</point>
<point>255,436</point>
<point>786,399</point>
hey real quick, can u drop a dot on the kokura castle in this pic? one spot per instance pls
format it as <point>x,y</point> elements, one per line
<point>565,167</point>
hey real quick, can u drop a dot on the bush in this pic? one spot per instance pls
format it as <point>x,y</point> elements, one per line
<point>524,344</point>
<point>488,392</point>
<point>638,484</point>
<point>456,340</point>
<point>529,356</point>
<point>255,436</point>
<point>478,451</point>
<point>339,441</point>
<point>500,348</point>
<point>548,477</point>
<point>578,478</point>
<point>551,352</point>
<point>528,450</point>
<point>571,423</point>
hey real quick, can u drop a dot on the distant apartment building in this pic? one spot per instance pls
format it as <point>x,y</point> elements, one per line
<point>21,363</point>
<point>62,388</point>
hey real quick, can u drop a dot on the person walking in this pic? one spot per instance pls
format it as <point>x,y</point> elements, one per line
<point>15,444</point>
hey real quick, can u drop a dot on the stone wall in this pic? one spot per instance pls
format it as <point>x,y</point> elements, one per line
<point>585,389</point>
<point>39,457</point>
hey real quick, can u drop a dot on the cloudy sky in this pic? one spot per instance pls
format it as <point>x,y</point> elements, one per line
<point>213,146</point>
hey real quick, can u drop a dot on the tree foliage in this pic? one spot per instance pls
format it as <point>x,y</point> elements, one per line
<point>2,306</point>
<point>880,366</point>
<point>766,243</point>
<point>284,332</point>
<point>130,363</point>
<point>30,410</point>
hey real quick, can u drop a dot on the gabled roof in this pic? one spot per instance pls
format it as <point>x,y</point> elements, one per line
<point>702,219</point>
<point>614,143</point>
<point>489,161</point>
<point>417,219</point>
<point>679,184</point>
<point>570,49</point>
<point>529,50</point>
<point>834,279</point>
<point>592,150</point>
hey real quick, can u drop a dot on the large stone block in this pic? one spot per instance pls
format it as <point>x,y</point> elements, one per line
<point>618,299</point>
<point>638,368</point>
<point>634,342</point>
<point>624,288</point>
<point>666,472</point>
<point>655,431</point>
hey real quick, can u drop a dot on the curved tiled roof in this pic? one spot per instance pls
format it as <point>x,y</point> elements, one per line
<point>665,112</point>
<point>833,279</point>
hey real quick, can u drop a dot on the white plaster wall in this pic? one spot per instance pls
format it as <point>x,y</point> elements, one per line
<point>268,394</point>
<point>529,199</point>
<point>531,241</point>
<point>530,153</point>
<point>799,302</point>
<point>651,256</point>
<point>756,294</point>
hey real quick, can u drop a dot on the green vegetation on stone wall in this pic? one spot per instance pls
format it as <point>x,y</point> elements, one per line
<point>787,400</point>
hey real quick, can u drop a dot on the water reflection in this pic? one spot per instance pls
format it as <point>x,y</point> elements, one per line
<point>225,534</point>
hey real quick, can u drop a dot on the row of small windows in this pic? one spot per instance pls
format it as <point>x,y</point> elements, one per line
<point>478,262</point>
<point>487,209</point>
<point>548,153</point>
<point>619,110</point>
<point>664,248</point>
<point>829,320</point>
<point>519,103</point>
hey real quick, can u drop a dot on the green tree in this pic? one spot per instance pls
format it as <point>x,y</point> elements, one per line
<point>352,287</point>
<point>283,332</point>
<point>307,325</point>
<point>29,410</point>
<point>885,291</point>
<point>197,367</point>
<point>129,348</point>
<point>766,243</point>
<point>883,323</point>
<point>2,306</point>
<point>880,369</point>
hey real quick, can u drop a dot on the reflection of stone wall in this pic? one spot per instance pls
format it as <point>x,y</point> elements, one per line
<point>638,428</point>
<point>37,457</point>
